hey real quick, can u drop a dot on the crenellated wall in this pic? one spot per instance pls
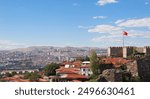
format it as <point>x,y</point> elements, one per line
<point>147,50</point>
<point>127,51</point>
<point>115,51</point>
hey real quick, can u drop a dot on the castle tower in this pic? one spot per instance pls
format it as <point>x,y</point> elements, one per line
<point>147,50</point>
<point>115,51</point>
<point>127,51</point>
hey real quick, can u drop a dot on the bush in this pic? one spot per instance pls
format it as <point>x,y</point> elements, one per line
<point>8,75</point>
<point>50,69</point>
<point>136,79</point>
<point>32,76</point>
<point>14,73</point>
<point>93,78</point>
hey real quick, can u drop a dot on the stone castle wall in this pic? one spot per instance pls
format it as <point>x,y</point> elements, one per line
<point>147,50</point>
<point>115,51</point>
<point>127,51</point>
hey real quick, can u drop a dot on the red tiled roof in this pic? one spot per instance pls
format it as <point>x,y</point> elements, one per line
<point>42,80</point>
<point>115,61</point>
<point>21,80</point>
<point>65,63</point>
<point>87,66</point>
<point>74,76</point>
<point>77,63</point>
<point>63,70</point>
<point>12,79</point>
<point>75,81</point>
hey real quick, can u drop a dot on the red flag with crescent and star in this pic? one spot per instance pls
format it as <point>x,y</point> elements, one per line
<point>125,33</point>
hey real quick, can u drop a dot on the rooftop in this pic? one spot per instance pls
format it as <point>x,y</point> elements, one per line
<point>115,61</point>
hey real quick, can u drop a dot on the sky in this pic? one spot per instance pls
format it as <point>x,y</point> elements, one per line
<point>78,23</point>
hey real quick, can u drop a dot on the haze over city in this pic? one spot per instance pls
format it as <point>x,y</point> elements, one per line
<point>93,23</point>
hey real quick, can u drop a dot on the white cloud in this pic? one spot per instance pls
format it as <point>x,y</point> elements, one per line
<point>139,34</point>
<point>138,30</point>
<point>143,22</point>
<point>107,39</point>
<point>104,2</point>
<point>84,27</point>
<point>105,29</point>
<point>99,17</point>
<point>119,21</point>
<point>132,39</point>
<point>146,3</point>
<point>7,44</point>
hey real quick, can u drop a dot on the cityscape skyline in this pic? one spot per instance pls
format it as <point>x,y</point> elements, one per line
<point>94,23</point>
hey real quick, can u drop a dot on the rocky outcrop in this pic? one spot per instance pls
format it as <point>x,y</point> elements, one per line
<point>144,68</point>
<point>110,75</point>
<point>132,67</point>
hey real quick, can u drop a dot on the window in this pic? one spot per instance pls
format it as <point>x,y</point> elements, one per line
<point>83,69</point>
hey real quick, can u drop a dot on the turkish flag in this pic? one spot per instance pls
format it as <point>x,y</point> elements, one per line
<point>125,33</point>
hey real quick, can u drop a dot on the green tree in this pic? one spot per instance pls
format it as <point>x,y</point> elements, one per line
<point>50,69</point>
<point>86,58</point>
<point>8,75</point>
<point>2,80</point>
<point>1,75</point>
<point>126,77</point>
<point>123,67</point>
<point>94,62</point>
<point>14,73</point>
<point>34,76</point>
<point>136,79</point>
<point>80,58</point>
<point>27,75</point>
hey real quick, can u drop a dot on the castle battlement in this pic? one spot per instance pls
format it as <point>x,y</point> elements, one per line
<point>129,47</point>
<point>147,47</point>
<point>127,51</point>
<point>116,47</point>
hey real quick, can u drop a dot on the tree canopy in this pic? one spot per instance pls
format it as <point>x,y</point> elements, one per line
<point>32,76</point>
<point>50,69</point>
<point>94,62</point>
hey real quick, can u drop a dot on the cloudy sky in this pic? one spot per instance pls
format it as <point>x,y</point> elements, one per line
<point>93,23</point>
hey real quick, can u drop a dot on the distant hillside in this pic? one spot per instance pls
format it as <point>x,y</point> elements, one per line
<point>41,55</point>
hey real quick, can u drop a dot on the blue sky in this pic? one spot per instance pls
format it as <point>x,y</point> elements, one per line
<point>93,23</point>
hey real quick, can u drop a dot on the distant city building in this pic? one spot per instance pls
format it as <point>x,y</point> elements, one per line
<point>19,71</point>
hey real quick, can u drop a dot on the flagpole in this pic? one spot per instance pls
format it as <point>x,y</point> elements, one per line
<point>123,40</point>
<point>124,34</point>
